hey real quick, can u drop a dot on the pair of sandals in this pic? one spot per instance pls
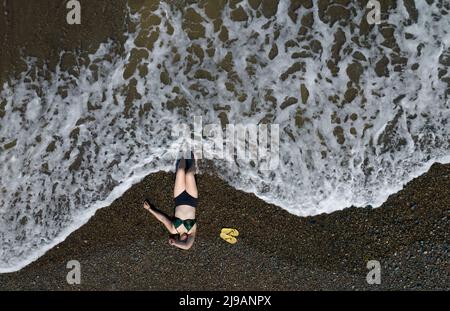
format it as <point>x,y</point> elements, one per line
<point>229,235</point>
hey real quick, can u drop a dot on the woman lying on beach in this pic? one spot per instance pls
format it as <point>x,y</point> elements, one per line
<point>183,226</point>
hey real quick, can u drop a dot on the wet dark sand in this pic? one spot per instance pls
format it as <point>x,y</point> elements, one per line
<point>39,29</point>
<point>122,247</point>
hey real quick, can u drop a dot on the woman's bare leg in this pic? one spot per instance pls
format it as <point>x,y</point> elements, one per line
<point>191,185</point>
<point>180,179</point>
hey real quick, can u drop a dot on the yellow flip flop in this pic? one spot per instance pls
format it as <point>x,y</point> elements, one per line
<point>230,231</point>
<point>228,238</point>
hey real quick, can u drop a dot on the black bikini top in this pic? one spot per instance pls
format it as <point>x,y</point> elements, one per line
<point>188,223</point>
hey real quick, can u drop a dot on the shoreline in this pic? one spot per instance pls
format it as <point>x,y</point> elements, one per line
<point>122,247</point>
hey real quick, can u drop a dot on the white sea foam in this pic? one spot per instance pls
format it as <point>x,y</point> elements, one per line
<point>79,146</point>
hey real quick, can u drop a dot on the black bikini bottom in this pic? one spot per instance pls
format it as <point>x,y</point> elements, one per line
<point>185,198</point>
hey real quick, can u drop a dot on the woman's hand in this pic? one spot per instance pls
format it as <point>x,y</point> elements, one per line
<point>171,241</point>
<point>147,206</point>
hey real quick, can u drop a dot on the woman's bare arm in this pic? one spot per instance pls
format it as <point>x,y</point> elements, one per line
<point>162,218</point>
<point>186,244</point>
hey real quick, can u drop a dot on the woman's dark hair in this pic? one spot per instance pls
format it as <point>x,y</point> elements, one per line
<point>179,237</point>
